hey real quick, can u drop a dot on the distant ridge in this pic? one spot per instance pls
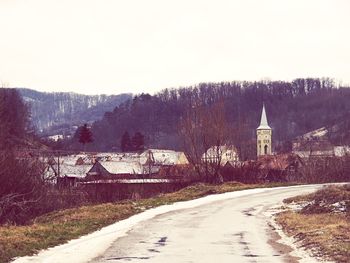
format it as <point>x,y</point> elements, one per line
<point>58,112</point>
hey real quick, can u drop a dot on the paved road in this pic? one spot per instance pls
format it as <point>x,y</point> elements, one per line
<point>233,230</point>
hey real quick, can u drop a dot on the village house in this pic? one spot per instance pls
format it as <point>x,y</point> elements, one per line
<point>315,144</point>
<point>104,169</point>
<point>65,173</point>
<point>163,157</point>
<point>147,163</point>
<point>68,170</point>
<point>124,165</point>
<point>282,162</point>
<point>222,154</point>
<point>341,151</point>
<point>280,167</point>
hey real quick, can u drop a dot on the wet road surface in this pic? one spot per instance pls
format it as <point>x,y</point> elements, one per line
<point>233,230</point>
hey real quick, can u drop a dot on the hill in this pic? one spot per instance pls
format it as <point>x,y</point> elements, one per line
<point>293,108</point>
<point>57,112</point>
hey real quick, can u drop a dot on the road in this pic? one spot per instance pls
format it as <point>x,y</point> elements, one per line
<point>232,230</point>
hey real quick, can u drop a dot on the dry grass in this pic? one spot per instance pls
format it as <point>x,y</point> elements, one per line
<point>329,194</point>
<point>58,227</point>
<point>319,226</point>
<point>61,226</point>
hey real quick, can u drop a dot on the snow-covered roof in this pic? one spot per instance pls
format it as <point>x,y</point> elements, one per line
<point>72,159</point>
<point>315,153</point>
<point>78,165</point>
<point>118,156</point>
<point>91,158</point>
<point>341,151</point>
<point>78,171</point>
<point>302,154</point>
<point>122,167</point>
<point>263,122</point>
<point>161,157</point>
<point>321,132</point>
<point>56,137</point>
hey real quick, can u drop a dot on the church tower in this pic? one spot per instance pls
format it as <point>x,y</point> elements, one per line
<point>264,134</point>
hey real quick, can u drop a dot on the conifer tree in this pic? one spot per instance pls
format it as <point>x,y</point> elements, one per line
<point>138,142</point>
<point>125,143</point>
<point>85,135</point>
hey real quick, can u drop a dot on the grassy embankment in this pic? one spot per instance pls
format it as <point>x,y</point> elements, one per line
<point>323,224</point>
<point>61,226</point>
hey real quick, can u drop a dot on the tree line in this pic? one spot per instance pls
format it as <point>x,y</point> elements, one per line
<point>293,108</point>
<point>131,144</point>
<point>190,119</point>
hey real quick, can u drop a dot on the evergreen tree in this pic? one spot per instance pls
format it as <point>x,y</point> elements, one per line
<point>85,135</point>
<point>138,142</point>
<point>125,143</point>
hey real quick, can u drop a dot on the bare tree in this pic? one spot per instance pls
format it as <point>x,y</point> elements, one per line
<point>205,127</point>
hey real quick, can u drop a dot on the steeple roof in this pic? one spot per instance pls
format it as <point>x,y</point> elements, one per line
<point>263,122</point>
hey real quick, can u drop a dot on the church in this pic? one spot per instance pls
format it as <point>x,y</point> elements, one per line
<point>264,136</point>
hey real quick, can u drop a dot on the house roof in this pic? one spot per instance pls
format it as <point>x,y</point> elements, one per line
<point>122,167</point>
<point>117,156</point>
<point>319,133</point>
<point>78,171</point>
<point>115,163</point>
<point>263,122</point>
<point>278,162</point>
<point>161,157</point>
<point>72,159</point>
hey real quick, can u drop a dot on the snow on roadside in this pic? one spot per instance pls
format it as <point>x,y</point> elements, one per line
<point>93,245</point>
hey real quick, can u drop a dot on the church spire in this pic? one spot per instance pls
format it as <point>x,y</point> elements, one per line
<point>264,136</point>
<point>263,121</point>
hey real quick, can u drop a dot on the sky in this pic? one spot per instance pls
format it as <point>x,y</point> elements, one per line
<point>115,46</point>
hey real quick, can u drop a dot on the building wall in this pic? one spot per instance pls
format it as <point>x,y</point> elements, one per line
<point>264,141</point>
<point>182,159</point>
<point>229,156</point>
<point>224,154</point>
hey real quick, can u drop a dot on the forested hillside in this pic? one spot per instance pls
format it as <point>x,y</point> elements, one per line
<point>56,112</point>
<point>293,108</point>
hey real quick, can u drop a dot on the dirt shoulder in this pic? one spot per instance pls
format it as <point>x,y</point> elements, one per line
<point>320,222</point>
<point>283,249</point>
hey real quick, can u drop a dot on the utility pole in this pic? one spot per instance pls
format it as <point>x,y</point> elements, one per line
<point>58,164</point>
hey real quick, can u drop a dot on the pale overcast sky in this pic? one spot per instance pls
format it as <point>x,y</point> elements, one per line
<point>112,46</point>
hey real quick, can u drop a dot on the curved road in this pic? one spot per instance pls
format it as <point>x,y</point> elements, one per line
<point>233,230</point>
